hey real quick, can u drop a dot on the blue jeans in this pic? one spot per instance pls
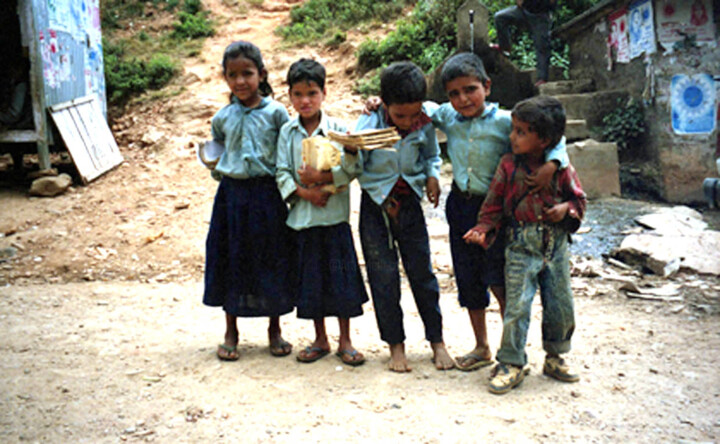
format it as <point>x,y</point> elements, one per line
<point>381,238</point>
<point>536,255</point>
<point>539,25</point>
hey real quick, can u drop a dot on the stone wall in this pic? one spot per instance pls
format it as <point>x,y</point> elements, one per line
<point>681,161</point>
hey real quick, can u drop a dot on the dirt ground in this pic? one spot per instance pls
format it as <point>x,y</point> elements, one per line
<point>106,339</point>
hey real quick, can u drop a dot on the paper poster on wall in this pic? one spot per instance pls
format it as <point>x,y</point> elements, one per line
<point>618,35</point>
<point>679,18</point>
<point>692,99</point>
<point>59,15</point>
<point>642,32</point>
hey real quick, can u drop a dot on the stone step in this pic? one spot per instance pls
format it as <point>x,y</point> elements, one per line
<point>591,106</point>
<point>576,129</point>
<point>597,166</point>
<point>567,87</point>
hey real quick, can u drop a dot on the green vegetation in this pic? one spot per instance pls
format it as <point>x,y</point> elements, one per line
<point>318,20</point>
<point>148,59</point>
<point>625,124</point>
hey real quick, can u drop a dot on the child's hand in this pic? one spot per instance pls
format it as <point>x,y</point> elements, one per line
<point>350,149</point>
<point>541,178</point>
<point>474,236</point>
<point>309,175</point>
<point>371,105</point>
<point>557,212</point>
<point>314,195</point>
<point>433,190</point>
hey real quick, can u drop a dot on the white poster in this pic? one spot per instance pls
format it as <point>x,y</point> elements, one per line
<point>619,35</point>
<point>677,19</point>
<point>693,104</point>
<point>642,32</point>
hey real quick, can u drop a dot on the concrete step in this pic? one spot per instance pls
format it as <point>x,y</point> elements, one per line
<point>597,166</point>
<point>591,106</point>
<point>576,129</point>
<point>567,87</point>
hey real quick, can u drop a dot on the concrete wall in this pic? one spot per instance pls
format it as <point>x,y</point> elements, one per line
<point>682,161</point>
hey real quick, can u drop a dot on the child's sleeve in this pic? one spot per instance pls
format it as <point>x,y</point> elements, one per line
<point>435,112</point>
<point>490,217</point>
<point>574,195</point>
<point>430,153</point>
<point>216,127</point>
<point>559,154</point>
<point>349,167</point>
<point>284,164</point>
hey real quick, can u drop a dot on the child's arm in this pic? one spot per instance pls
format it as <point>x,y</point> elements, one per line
<point>571,211</point>
<point>490,217</point>
<point>430,152</point>
<point>284,165</point>
<point>555,159</point>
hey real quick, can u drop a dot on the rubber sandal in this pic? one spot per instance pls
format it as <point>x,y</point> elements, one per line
<point>232,353</point>
<point>480,362</point>
<point>311,354</point>
<point>352,358</point>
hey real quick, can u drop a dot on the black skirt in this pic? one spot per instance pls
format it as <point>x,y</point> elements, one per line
<point>329,282</point>
<point>248,250</point>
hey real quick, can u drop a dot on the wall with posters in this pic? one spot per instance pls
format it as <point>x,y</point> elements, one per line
<point>667,54</point>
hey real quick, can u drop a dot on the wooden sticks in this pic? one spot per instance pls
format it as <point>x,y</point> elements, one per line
<point>367,139</point>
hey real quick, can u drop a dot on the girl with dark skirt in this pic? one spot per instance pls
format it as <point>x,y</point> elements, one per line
<point>248,244</point>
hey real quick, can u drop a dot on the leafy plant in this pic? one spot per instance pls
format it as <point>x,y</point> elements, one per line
<point>625,124</point>
<point>316,20</point>
<point>369,85</point>
<point>192,26</point>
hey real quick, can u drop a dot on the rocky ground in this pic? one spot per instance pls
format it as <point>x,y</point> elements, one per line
<point>106,340</point>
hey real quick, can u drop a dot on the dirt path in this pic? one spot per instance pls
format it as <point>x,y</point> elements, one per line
<point>105,338</point>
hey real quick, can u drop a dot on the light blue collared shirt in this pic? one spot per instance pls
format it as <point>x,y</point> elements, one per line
<point>304,214</point>
<point>475,145</point>
<point>415,158</point>
<point>250,137</point>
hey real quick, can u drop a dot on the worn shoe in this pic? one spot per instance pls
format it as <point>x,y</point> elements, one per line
<point>557,368</point>
<point>506,378</point>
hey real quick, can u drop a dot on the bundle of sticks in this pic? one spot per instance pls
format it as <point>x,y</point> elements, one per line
<point>367,139</point>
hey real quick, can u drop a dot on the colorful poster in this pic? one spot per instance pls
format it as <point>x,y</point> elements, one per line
<point>619,36</point>
<point>677,19</point>
<point>642,33</point>
<point>692,99</point>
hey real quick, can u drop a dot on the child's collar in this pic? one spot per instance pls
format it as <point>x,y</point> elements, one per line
<point>264,100</point>
<point>489,111</point>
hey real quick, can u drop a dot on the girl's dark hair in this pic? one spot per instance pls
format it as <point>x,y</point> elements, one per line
<point>241,48</point>
<point>402,82</point>
<point>544,115</point>
<point>464,64</point>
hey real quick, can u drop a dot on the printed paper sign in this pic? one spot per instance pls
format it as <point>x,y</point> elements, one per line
<point>677,19</point>
<point>693,104</point>
<point>642,33</point>
<point>619,35</point>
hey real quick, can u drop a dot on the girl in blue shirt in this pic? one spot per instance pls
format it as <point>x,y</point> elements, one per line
<point>248,244</point>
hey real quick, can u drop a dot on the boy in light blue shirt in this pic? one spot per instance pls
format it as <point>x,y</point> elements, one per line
<point>391,218</point>
<point>478,136</point>
<point>329,282</point>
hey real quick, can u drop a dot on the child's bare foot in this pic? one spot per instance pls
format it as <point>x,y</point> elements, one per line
<point>441,357</point>
<point>478,358</point>
<point>398,360</point>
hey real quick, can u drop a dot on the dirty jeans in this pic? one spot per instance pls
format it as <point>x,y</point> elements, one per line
<point>539,25</point>
<point>536,255</point>
<point>381,239</point>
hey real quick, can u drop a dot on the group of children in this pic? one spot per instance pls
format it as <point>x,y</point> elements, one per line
<point>280,240</point>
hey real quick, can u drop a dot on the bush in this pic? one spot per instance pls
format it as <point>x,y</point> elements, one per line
<point>125,77</point>
<point>625,124</point>
<point>192,26</point>
<point>316,20</point>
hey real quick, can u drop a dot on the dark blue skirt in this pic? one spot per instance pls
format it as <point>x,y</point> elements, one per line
<point>329,279</point>
<point>248,250</point>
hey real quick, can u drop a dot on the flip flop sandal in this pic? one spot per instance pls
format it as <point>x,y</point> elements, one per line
<point>352,358</point>
<point>282,348</point>
<point>480,362</point>
<point>311,354</point>
<point>232,353</point>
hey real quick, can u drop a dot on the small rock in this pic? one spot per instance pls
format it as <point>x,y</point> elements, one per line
<point>50,186</point>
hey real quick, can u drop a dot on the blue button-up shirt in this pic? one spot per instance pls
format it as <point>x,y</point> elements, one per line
<point>250,137</point>
<point>304,214</point>
<point>415,158</point>
<point>475,145</point>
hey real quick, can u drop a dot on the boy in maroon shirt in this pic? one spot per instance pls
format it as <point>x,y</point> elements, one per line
<point>536,255</point>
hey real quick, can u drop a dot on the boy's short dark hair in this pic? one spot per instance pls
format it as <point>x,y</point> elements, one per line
<point>544,115</point>
<point>402,82</point>
<point>306,70</point>
<point>464,64</point>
